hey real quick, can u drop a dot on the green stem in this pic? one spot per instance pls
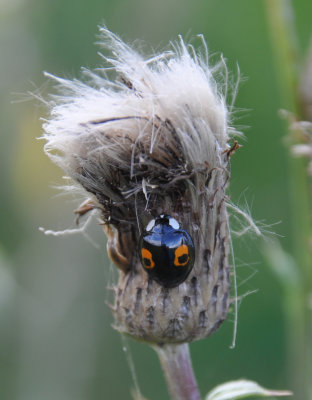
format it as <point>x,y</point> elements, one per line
<point>286,49</point>
<point>298,296</point>
<point>177,366</point>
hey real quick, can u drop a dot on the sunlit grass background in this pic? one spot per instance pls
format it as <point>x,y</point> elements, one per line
<point>56,340</point>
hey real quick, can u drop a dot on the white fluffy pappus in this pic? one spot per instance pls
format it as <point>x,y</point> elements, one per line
<point>173,89</point>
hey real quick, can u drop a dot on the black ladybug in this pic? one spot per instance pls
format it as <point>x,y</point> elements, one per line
<point>166,251</point>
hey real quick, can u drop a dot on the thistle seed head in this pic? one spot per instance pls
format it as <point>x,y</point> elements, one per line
<point>154,141</point>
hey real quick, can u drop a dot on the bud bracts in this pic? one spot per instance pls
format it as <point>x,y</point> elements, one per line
<point>153,142</point>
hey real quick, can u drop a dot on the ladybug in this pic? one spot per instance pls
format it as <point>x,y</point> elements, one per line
<point>166,251</point>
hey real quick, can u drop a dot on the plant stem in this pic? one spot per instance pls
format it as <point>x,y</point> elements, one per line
<point>177,366</point>
<point>298,295</point>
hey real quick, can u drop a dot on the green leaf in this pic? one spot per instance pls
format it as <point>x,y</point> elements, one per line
<point>241,389</point>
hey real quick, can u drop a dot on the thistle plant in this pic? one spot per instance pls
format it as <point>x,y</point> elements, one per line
<point>152,148</point>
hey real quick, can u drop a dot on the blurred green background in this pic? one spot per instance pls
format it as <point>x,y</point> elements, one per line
<point>56,340</point>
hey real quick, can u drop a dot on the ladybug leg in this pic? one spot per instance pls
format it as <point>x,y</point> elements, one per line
<point>113,249</point>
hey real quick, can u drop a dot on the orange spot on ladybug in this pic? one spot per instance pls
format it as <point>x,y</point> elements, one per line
<point>147,259</point>
<point>181,256</point>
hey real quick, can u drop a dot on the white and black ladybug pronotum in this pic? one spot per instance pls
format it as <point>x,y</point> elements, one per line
<point>166,251</point>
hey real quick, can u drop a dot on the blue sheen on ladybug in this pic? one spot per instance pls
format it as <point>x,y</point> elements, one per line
<point>166,251</point>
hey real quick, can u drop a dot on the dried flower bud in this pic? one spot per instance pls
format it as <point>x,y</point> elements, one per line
<point>153,142</point>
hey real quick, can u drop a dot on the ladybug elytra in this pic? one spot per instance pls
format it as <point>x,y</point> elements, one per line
<point>166,251</point>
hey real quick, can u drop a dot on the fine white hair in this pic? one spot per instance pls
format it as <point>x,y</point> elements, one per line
<point>91,123</point>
